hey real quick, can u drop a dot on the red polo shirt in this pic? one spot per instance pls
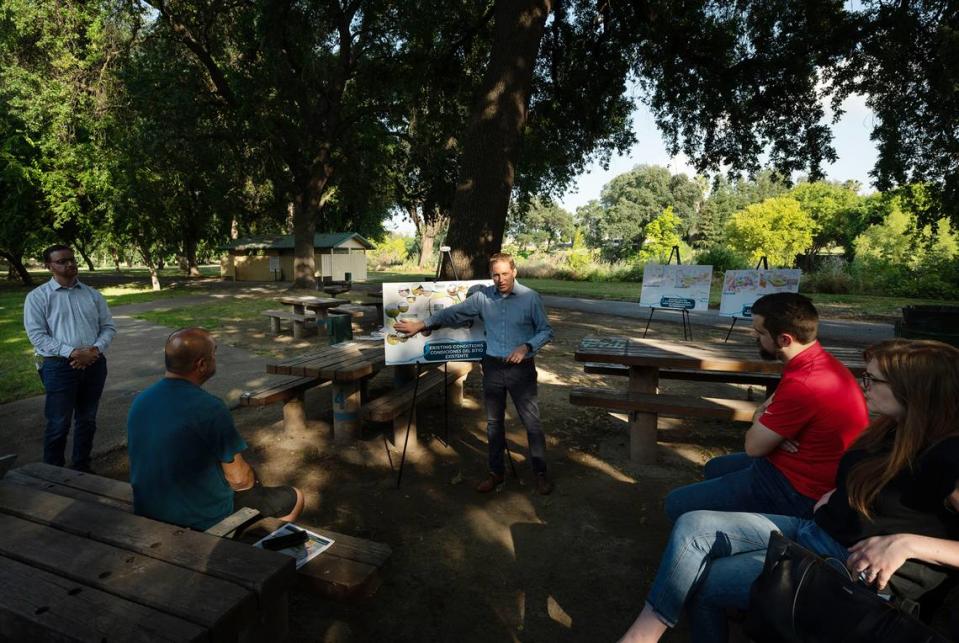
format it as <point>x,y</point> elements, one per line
<point>819,405</point>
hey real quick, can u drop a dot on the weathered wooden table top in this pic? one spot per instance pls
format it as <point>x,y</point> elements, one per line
<point>739,358</point>
<point>344,362</point>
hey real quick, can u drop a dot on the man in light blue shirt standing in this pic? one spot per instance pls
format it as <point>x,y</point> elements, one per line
<point>516,328</point>
<point>70,328</point>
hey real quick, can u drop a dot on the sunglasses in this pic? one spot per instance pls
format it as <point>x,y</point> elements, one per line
<point>868,379</point>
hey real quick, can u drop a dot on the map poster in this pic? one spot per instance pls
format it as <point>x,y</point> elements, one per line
<point>677,287</point>
<point>743,287</point>
<point>419,300</point>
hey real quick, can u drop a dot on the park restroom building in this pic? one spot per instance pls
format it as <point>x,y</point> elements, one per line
<point>270,257</point>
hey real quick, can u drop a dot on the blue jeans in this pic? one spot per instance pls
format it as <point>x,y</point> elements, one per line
<point>737,482</point>
<point>72,394</point>
<point>519,380</point>
<point>712,559</point>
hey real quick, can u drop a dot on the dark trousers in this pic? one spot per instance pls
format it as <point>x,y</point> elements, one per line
<point>519,380</point>
<point>71,393</point>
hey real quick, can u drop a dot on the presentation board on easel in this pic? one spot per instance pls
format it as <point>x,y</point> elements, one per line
<point>675,286</point>
<point>419,300</point>
<point>741,288</point>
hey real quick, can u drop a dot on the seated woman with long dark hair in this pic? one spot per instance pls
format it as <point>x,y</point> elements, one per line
<point>895,500</point>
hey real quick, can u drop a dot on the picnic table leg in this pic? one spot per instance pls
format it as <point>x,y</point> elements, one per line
<point>642,426</point>
<point>299,329</point>
<point>294,412</point>
<point>346,411</point>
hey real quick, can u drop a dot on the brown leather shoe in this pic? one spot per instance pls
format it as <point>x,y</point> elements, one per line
<point>493,482</point>
<point>544,486</point>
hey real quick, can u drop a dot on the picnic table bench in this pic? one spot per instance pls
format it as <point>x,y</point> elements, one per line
<point>649,360</point>
<point>348,366</point>
<point>77,564</point>
<point>396,406</point>
<point>351,568</point>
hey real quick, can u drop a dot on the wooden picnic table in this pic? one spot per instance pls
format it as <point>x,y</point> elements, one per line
<point>348,366</point>
<point>76,564</point>
<point>646,357</point>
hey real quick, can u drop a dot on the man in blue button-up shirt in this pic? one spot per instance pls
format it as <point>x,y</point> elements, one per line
<point>70,328</point>
<point>516,328</point>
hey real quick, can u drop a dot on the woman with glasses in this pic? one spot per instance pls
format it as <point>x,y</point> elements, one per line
<point>893,508</point>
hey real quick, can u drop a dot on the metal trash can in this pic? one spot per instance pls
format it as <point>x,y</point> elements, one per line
<point>930,322</point>
<point>339,328</point>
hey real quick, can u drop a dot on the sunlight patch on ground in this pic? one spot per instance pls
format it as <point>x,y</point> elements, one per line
<point>587,460</point>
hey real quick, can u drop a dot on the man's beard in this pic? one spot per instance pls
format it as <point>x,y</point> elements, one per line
<point>766,355</point>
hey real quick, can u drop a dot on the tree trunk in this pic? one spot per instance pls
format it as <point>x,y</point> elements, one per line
<point>116,257</point>
<point>16,266</point>
<point>83,253</point>
<point>490,149</point>
<point>151,265</point>
<point>189,264</point>
<point>304,231</point>
<point>430,228</point>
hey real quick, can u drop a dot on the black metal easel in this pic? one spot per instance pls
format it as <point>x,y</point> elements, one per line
<point>687,323</point>
<point>445,252</point>
<point>765,266</point>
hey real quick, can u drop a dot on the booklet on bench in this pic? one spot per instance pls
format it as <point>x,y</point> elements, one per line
<point>303,552</point>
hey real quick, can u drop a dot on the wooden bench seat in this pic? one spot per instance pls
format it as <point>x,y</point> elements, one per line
<point>761,379</point>
<point>288,389</point>
<point>668,405</point>
<point>396,406</point>
<point>300,321</point>
<point>349,569</point>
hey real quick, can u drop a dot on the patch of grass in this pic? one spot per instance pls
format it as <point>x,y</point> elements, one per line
<point>18,373</point>
<point>214,316</point>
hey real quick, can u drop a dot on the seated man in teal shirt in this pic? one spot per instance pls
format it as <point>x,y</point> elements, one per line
<point>186,466</point>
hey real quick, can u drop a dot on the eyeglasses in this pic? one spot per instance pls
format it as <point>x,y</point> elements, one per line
<point>868,379</point>
<point>66,261</point>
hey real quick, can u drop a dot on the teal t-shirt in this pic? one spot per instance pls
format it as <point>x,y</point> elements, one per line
<point>177,436</point>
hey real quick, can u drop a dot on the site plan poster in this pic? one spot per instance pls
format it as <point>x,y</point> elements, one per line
<point>419,300</point>
<point>678,287</point>
<point>743,287</point>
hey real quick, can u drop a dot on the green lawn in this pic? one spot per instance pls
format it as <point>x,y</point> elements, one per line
<point>213,316</point>
<point>18,375</point>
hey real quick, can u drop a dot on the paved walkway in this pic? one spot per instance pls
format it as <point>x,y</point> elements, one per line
<point>135,360</point>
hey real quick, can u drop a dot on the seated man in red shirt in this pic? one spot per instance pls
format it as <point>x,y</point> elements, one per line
<point>798,434</point>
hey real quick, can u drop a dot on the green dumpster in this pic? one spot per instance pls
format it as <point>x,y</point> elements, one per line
<point>339,328</point>
<point>930,322</point>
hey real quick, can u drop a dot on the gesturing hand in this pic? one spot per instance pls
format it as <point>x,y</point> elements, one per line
<point>879,557</point>
<point>409,326</point>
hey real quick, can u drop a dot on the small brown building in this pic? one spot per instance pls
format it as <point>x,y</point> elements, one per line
<point>270,257</point>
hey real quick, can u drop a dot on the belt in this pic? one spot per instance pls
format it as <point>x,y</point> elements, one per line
<point>55,358</point>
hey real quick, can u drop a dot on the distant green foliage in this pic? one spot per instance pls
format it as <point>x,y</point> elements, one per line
<point>776,228</point>
<point>722,258</point>
<point>392,251</point>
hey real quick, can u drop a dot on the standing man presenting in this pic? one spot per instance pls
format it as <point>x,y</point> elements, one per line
<point>516,328</point>
<point>70,328</point>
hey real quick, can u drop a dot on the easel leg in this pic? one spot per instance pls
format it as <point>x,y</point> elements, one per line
<point>730,331</point>
<point>412,414</point>
<point>651,311</point>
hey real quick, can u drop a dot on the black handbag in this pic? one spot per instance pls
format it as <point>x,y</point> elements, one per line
<point>800,597</point>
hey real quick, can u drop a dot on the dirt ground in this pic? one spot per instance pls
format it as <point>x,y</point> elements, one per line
<point>508,566</point>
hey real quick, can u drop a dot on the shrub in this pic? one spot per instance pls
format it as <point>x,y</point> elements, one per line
<point>389,252</point>
<point>833,277</point>
<point>722,258</point>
